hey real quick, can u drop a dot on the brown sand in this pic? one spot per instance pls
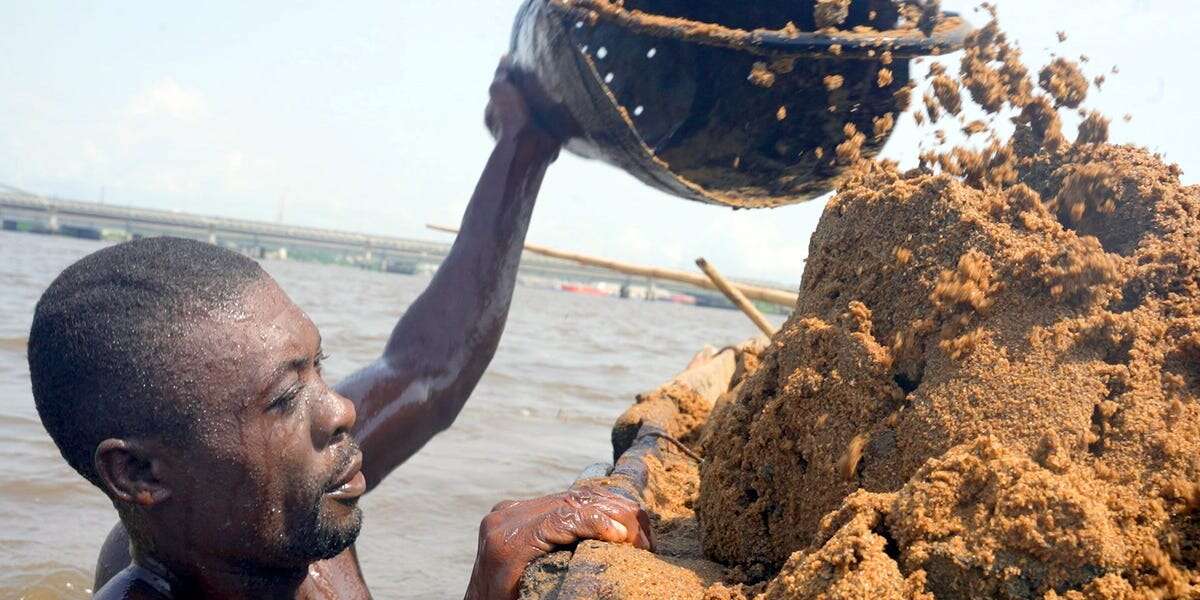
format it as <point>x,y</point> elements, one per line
<point>1093,129</point>
<point>990,386</point>
<point>948,93</point>
<point>1063,80</point>
<point>831,13</point>
<point>991,383</point>
<point>884,78</point>
<point>884,125</point>
<point>850,151</point>
<point>975,127</point>
<point>849,558</point>
<point>932,108</point>
<point>761,75</point>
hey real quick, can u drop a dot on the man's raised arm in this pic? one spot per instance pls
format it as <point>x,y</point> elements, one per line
<point>442,344</point>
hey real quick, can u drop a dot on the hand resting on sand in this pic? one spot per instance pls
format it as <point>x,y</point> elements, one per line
<point>517,532</point>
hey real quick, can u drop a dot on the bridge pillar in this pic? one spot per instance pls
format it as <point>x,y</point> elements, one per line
<point>212,235</point>
<point>52,224</point>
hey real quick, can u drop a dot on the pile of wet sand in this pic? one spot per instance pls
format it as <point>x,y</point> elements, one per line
<point>990,386</point>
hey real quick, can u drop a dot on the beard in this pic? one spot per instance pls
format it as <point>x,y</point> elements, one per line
<point>320,535</point>
<point>318,531</point>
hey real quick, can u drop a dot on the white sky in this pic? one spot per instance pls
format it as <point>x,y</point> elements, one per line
<point>366,116</point>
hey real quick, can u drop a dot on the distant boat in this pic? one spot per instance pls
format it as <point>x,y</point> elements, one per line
<point>401,267</point>
<point>714,301</point>
<point>580,288</point>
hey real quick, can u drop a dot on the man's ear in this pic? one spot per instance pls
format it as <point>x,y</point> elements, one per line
<point>131,472</point>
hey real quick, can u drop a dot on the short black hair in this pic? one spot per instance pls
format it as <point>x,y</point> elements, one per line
<point>103,337</point>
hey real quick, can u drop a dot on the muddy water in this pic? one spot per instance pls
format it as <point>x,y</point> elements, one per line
<point>568,365</point>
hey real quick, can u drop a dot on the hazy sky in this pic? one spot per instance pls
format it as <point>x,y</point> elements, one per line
<point>366,116</point>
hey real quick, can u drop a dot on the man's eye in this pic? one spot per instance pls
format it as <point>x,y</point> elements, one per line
<point>319,361</point>
<point>285,401</point>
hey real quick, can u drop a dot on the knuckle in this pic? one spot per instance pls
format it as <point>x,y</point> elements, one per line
<point>562,520</point>
<point>583,496</point>
<point>492,521</point>
<point>543,539</point>
<point>563,514</point>
<point>492,542</point>
<point>596,520</point>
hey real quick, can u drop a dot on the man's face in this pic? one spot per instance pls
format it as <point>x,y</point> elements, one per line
<point>273,478</point>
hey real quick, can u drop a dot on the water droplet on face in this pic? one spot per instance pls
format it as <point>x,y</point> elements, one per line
<point>602,52</point>
<point>652,52</point>
<point>637,112</point>
<point>608,78</point>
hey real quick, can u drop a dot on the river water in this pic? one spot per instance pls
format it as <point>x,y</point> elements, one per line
<point>567,367</point>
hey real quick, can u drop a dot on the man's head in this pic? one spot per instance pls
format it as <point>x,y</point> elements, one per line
<point>179,378</point>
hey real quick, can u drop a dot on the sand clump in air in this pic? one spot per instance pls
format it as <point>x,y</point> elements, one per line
<point>831,13</point>
<point>1063,80</point>
<point>990,386</point>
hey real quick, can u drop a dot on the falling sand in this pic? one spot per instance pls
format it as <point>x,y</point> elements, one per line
<point>990,386</point>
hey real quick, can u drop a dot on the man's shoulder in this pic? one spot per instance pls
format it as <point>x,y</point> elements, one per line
<point>114,556</point>
<point>118,578</point>
<point>131,584</point>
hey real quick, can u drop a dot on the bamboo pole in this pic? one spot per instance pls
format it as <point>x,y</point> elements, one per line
<point>780,297</point>
<point>736,297</point>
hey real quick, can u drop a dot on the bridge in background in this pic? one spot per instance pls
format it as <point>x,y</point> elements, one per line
<point>55,213</point>
<point>89,219</point>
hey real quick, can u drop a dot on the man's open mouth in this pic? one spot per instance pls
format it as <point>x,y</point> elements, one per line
<point>350,483</point>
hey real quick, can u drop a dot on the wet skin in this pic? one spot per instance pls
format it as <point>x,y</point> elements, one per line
<point>263,501</point>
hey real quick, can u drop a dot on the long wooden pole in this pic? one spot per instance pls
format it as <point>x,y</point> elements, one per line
<point>780,297</point>
<point>736,297</point>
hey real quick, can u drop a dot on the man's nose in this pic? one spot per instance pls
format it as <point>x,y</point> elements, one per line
<point>335,419</point>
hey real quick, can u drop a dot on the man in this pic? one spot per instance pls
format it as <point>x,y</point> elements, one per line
<point>183,382</point>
